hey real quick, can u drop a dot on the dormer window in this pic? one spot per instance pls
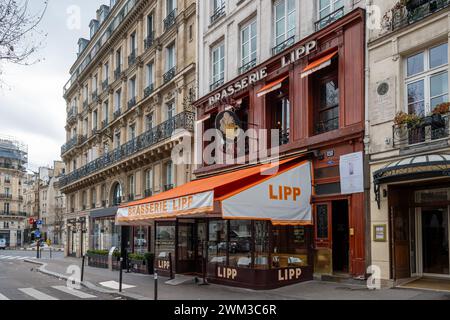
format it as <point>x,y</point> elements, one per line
<point>82,44</point>
<point>94,27</point>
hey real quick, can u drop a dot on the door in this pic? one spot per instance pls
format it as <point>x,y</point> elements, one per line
<point>434,243</point>
<point>186,248</point>
<point>201,246</point>
<point>341,236</point>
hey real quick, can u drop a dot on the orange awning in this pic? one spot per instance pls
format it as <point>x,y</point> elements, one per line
<point>197,197</point>
<point>271,87</point>
<point>318,64</point>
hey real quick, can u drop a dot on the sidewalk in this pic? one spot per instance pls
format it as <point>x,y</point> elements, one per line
<point>143,287</point>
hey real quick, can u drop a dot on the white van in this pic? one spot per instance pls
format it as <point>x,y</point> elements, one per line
<point>2,244</point>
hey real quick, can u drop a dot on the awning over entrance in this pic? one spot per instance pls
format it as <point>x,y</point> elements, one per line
<point>318,64</point>
<point>271,87</point>
<point>419,167</point>
<point>103,213</point>
<point>280,192</point>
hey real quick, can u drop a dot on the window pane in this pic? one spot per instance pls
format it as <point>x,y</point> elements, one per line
<point>324,3</point>
<point>240,244</point>
<point>261,245</point>
<point>290,247</point>
<point>416,64</point>
<point>439,84</point>
<point>416,92</point>
<point>280,10</point>
<point>329,95</point>
<point>439,56</point>
<point>438,100</point>
<point>217,247</point>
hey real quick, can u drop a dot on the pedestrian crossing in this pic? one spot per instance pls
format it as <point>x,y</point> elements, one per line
<point>3,257</point>
<point>50,293</point>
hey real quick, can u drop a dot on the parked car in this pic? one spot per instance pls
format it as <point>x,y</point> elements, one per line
<point>2,244</point>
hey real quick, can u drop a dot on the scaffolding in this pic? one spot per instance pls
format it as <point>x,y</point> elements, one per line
<point>13,151</point>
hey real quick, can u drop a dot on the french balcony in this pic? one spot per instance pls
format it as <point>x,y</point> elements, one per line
<point>117,113</point>
<point>94,95</point>
<point>169,75</point>
<point>93,205</point>
<point>94,131</point>
<point>104,123</point>
<point>105,85</point>
<point>247,66</point>
<point>218,13</point>
<point>13,213</point>
<point>168,187</point>
<point>414,11</point>
<point>427,131</point>
<point>169,21</point>
<point>148,193</point>
<point>11,166</point>
<point>148,42</point>
<point>69,145</point>
<point>117,73</point>
<point>213,86</point>
<point>71,115</point>
<point>329,19</point>
<point>104,203</point>
<point>132,58</point>
<point>284,136</point>
<point>150,138</point>
<point>149,90</point>
<point>5,196</point>
<point>284,45</point>
<point>131,197</point>
<point>131,103</point>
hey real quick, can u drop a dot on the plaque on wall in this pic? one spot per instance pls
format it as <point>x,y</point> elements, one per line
<point>382,107</point>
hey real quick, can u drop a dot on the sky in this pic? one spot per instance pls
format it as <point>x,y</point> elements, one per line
<point>32,107</point>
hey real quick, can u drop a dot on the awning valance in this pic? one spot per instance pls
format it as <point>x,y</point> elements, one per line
<point>271,87</point>
<point>280,192</point>
<point>319,64</point>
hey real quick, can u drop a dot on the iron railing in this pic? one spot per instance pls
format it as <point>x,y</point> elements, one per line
<point>117,73</point>
<point>149,90</point>
<point>5,196</point>
<point>94,95</point>
<point>104,203</point>
<point>148,42</point>
<point>216,84</point>
<point>164,131</point>
<point>218,13</point>
<point>104,123</point>
<point>69,145</point>
<point>329,19</point>
<point>169,21</point>
<point>13,213</point>
<point>247,66</point>
<point>71,114</point>
<point>117,113</point>
<point>284,45</point>
<point>131,102</point>
<point>131,197</point>
<point>169,75</point>
<point>11,166</point>
<point>168,187</point>
<point>148,193</point>
<point>105,85</point>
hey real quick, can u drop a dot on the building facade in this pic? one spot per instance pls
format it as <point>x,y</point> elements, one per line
<point>13,159</point>
<point>409,145</point>
<point>128,101</point>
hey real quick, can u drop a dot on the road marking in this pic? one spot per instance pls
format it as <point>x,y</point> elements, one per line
<point>115,285</point>
<point>2,297</point>
<point>12,258</point>
<point>5,257</point>
<point>76,293</point>
<point>37,294</point>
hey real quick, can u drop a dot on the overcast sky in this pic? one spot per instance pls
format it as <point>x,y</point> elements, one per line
<point>32,108</point>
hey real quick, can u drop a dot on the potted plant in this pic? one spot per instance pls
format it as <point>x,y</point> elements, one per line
<point>436,115</point>
<point>97,258</point>
<point>137,263</point>
<point>410,120</point>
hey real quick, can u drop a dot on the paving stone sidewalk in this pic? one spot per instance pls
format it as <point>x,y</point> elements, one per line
<point>143,287</point>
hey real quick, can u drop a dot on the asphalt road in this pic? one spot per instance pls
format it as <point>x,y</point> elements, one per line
<point>19,280</point>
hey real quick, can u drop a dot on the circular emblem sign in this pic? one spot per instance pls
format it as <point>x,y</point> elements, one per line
<point>228,123</point>
<point>383,89</point>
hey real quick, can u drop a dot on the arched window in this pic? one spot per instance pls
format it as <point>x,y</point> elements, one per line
<point>117,195</point>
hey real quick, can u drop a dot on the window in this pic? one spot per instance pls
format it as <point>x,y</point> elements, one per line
<point>117,140</point>
<point>169,175</point>
<point>131,188</point>
<point>240,244</point>
<point>280,112</point>
<point>7,191</point>
<point>148,181</point>
<point>105,111</point>
<point>170,57</point>
<point>170,6</point>
<point>150,27</point>
<point>6,207</point>
<point>285,20</point>
<point>427,80</point>
<point>132,88</point>
<point>290,246</point>
<point>326,99</point>
<point>118,59</point>
<point>133,43</point>
<point>94,197</point>
<point>132,132</point>
<point>118,99</point>
<point>117,194</point>
<point>218,64</point>
<point>248,43</point>
<point>150,74</point>
<point>262,245</point>
<point>218,242</point>
<point>170,110</point>
<point>326,7</point>
<point>149,121</point>
<point>165,240</point>
<point>86,93</point>
<point>94,120</point>
<point>218,4</point>
<point>106,71</point>
<point>94,83</point>
<point>85,126</point>
<point>140,240</point>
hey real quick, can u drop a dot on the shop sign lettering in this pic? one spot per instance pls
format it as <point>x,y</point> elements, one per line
<point>289,274</point>
<point>163,264</point>
<point>226,273</point>
<point>285,193</point>
<point>298,53</point>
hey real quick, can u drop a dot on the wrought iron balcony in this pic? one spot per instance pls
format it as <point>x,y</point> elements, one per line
<point>329,19</point>
<point>131,197</point>
<point>284,136</point>
<point>218,13</point>
<point>6,196</point>
<point>412,12</point>
<point>427,131</point>
<point>105,85</point>
<point>216,84</point>
<point>117,113</point>
<point>131,103</point>
<point>94,95</point>
<point>85,104</point>
<point>104,203</point>
<point>13,213</point>
<point>247,66</point>
<point>162,132</point>
<point>284,45</point>
<point>169,75</point>
<point>93,205</point>
<point>11,166</point>
<point>104,123</point>
<point>148,193</point>
<point>168,187</point>
<point>94,131</point>
<point>117,73</point>
<point>149,90</point>
<point>169,21</point>
<point>69,145</point>
<point>132,58</point>
<point>71,114</point>
<point>148,42</point>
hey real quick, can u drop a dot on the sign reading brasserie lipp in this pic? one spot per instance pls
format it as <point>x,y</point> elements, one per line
<point>190,204</point>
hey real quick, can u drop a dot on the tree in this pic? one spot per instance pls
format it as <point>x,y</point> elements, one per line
<point>19,36</point>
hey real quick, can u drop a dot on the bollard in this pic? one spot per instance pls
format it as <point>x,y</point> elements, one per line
<point>50,252</point>
<point>170,265</point>
<point>204,283</point>
<point>120,274</point>
<point>82,268</point>
<point>156,284</point>
<point>37,250</point>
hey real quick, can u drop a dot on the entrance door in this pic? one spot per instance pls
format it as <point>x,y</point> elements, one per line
<point>435,237</point>
<point>341,234</point>
<point>186,248</point>
<point>201,248</point>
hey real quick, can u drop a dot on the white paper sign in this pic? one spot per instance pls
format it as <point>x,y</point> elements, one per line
<point>352,175</point>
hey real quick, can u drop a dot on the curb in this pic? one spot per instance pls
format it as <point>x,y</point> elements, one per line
<point>42,269</point>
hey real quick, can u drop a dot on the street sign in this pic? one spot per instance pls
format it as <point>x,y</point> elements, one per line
<point>37,234</point>
<point>39,222</point>
<point>31,221</point>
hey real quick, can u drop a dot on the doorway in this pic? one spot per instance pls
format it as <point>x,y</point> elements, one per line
<point>341,236</point>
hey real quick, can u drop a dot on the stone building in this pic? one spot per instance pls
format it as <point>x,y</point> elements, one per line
<point>128,102</point>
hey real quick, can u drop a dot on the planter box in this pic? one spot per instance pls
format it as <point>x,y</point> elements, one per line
<point>138,266</point>
<point>97,261</point>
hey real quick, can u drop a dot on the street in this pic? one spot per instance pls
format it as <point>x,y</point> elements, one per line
<point>20,280</point>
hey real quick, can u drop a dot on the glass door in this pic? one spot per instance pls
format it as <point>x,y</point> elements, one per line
<point>186,248</point>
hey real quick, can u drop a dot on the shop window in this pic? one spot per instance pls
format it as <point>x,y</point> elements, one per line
<point>217,247</point>
<point>290,246</point>
<point>326,99</point>
<point>140,240</point>
<point>279,112</point>
<point>165,241</point>
<point>240,246</point>
<point>262,245</point>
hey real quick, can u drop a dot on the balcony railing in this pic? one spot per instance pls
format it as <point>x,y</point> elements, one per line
<point>247,66</point>
<point>148,193</point>
<point>329,19</point>
<point>148,42</point>
<point>162,132</point>
<point>169,21</point>
<point>168,187</point>
<point>71,114</point>
<point>284,136</point>
<point>117,73</point>
<point>132,58</point>
<point>85,104</point>
<point>6,196</point>
<point>131,197</point>
<point>218,13</point>
<point>131,103</point>
<point>427,131</point>
<point>104,124</point>
<point>94,131</point>
<point>284,45</point>
<point>11,166</point>
<point>418,10</point>
<point>13,213</point>
<point>104,203</point>
<point>93,205</point>
<point>69,145</point>
<point>117,114</point>
<point>169,75</point>
<point>105,85</point>
<point>216,84</point>
<point>149,90</point>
